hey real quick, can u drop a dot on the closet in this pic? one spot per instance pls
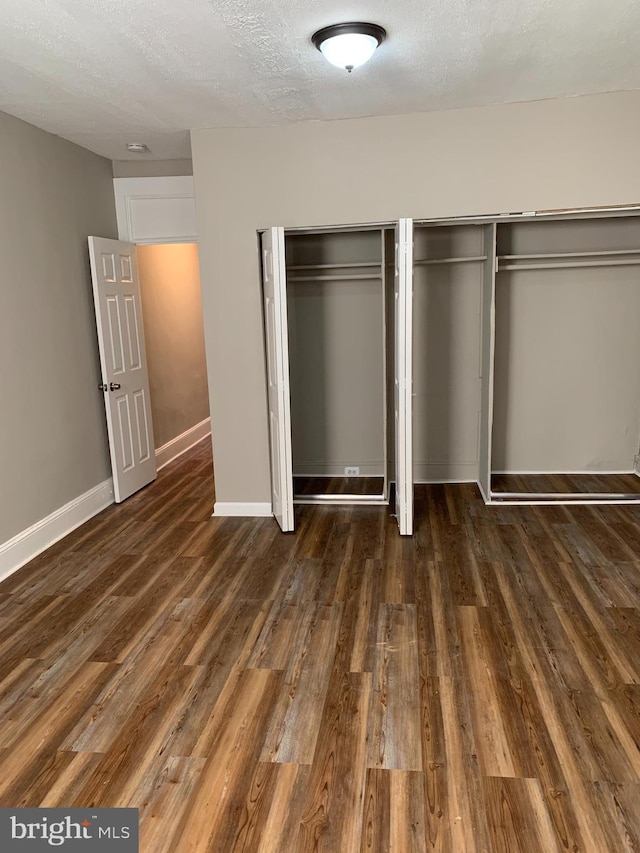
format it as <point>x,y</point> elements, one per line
<point>337,365</point>
<point>336,335</point>
<point>502,350</point>
<point>566,411</point>
<point>449,269</point>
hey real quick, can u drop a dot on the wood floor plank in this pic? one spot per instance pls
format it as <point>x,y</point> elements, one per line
<point>619,806</point>
<point>295,725</point>
<point>162,801</point>
<point>467,817</point>
<point>39,743</point>
<point>519,819</point>
<point>331,818</point>
<point>157,654</point>
<point>393,812</point>
<point>68,788</point>
<point>435,769</point>
<point>395,741</point>
<point>489,722</point>
<point>213,819</point>
<point>280,829</point>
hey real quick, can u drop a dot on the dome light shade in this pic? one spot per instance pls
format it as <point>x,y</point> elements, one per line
<point>349,45</point>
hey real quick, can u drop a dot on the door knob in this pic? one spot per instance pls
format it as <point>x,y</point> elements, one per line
<point>103,386</point>
<point>114,386</point>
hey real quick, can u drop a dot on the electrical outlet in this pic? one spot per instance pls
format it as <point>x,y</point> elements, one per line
<point>352,471</point>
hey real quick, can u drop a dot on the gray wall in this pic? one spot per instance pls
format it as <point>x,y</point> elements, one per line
<point>174,337</point>
<point>447,301</point>
<point>151,168</point>
<point>550,154</point>
<point>53,444</point>
<point>336,354</point>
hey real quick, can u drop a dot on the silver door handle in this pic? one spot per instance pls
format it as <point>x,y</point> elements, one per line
<point>114,386</point>
<point>103,386</point>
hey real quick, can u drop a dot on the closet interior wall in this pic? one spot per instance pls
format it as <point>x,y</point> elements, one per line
<point>448,275</point>
<point>566,413</point>
<point>337,359</point>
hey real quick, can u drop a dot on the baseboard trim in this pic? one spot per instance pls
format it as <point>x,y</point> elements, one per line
<point>444,481</point>
<point>569,473</point>
<point>181,443</point>
<point>35,539</point>
<point>223,509</point>
<point>485,497</point>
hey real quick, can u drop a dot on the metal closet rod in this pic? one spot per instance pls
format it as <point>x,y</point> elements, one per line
<point>599,254</point>
<point>576,265</point>
<point>459,260</point>
<point>334,277</point>
<point>333,266</point>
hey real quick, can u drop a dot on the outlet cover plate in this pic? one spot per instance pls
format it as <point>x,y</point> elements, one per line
<point>352,471</point>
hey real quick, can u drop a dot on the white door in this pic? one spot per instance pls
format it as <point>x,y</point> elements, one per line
<point>274,283</point>
<point>403,292</point>
<point>125,380</point>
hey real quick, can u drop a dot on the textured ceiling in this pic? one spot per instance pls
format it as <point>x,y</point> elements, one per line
<point>104,72</point>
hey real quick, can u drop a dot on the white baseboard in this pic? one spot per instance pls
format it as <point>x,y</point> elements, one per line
<point>485,497</point>
<point>444,481</point>
<point>245,510</point>
<point>569,473</point>
<point>35,539</point>
<point>181,443</point>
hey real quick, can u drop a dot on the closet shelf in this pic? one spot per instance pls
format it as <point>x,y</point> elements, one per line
<point>350,265</point>
<point>575,265</point>
<point>569,260</point>
<point>370,277</point>
<point>430,261</point>
<point>600,254</point>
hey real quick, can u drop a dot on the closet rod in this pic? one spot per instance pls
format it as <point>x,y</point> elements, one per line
<point>501,268</point>
<point>333,266</point>
<point>429,261</point>
<point>334,277</point>
<point>602,254</point>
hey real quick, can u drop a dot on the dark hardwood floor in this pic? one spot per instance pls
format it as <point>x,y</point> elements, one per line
<point>304,486</point>
<point>578,484</point>
<point>473,688</point>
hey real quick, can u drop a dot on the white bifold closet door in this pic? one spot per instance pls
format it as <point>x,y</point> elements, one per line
<point>274,284</point>
<point>403,369</point>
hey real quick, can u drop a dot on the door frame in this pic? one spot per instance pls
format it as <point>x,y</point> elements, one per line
<point>156,210</point>
<point>166,216</point>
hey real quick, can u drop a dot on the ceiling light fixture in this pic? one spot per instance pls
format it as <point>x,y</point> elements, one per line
<point>349,45</point>
<point>137,147</point>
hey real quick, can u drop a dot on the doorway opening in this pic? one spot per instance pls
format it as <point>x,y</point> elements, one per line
<point>174,336</point>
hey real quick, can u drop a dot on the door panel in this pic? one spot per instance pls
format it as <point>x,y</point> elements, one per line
<point>403,386</point>
<point>277,351</point>
<point>488,358</point>
<point>116,292</point>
